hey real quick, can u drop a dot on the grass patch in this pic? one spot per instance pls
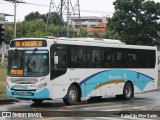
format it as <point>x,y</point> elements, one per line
<point>5,63</point>
<point>3,76</point>
<point>4,96</point>
<point>3,73</point>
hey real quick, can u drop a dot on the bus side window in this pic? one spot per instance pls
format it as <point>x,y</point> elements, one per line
<point>77,57</point>
<point>131,62</point>
<point>108,60</point>
<point>94,58</point>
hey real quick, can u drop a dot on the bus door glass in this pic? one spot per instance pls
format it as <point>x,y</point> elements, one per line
<point>60,60</point>
<point>58,64</point>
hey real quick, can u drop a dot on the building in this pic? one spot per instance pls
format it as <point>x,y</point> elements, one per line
<point>92,24</point>
<point>88,21</point>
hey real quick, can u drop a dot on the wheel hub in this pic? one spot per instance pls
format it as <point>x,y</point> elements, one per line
<point>72,95</point>
<point>127,91</point>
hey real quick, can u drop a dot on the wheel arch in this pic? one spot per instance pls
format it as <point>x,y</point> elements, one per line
<point>79,89</point>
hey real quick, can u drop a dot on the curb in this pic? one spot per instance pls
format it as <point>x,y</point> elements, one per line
<point>7,100</point>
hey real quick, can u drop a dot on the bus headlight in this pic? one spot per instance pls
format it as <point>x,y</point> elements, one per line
<point>41,86</point>
<point>8,85</point>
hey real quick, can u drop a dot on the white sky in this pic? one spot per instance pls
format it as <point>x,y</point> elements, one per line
<point>23,9</point>
<point>104,6</point>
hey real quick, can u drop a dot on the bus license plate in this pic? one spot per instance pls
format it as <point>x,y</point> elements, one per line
<point>21,93</point>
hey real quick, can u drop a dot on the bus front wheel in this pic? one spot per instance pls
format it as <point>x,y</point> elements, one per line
<point>72,96</point>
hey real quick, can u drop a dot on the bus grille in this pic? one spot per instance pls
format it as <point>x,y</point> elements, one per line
<point>24,81</point>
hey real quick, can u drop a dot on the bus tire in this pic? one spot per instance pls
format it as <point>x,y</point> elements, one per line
<point>128,91</point>
<point>72,96</point>
<point>37,101</point>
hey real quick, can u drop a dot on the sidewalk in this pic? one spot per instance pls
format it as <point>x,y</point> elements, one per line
<point>4,99</point>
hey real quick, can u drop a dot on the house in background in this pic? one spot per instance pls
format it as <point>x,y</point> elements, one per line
<point>91,24</point>
<point>99,29</point>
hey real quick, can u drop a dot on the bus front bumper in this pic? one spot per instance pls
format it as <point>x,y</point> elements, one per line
<point>28,94</point>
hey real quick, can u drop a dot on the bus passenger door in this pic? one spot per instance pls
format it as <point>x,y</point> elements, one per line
<point>58,74</point>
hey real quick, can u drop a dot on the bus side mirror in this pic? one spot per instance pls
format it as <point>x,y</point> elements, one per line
<point>55,60</point>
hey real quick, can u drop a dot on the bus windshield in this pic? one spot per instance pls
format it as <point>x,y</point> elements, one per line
<point>28,63</point>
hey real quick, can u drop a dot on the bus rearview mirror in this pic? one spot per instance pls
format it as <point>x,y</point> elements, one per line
<point>55,60</point>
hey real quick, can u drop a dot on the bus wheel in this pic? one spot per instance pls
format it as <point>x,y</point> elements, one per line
<point>72,96</point>
<point>127,91</point>
<point>37,101</point>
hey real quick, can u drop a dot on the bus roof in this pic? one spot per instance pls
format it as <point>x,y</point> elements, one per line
<point>89,42</point>
<point>99,42</point>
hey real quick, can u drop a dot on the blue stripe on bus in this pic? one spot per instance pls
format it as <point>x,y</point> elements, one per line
<point>139,80</point>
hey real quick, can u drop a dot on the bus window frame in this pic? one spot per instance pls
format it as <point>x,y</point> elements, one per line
<point>23,75</point>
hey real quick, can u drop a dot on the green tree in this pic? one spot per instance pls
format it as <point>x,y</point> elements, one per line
<point>35,24</point>
<point>33,16</point>
<point>34,28</point>
<point>54,18</point>
<point>9,34</point>
<point>136,21</point>
<point>95,34</point>
<point>83,32</point>
<point>111,34</point>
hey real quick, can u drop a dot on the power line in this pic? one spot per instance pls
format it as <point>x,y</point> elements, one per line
<point>82,10</point>
<point>95,11</point>
<point>37,4</point>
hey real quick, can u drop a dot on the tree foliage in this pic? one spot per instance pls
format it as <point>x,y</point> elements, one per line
<point>83,32</point>
<point>33,16</point>
<point>95,34</point>
<point>53,18</point>
<point>34,28</point>
<point>136,21</point>
<point>35,24</point>
<point>111,34</point>
<point>9,34</point>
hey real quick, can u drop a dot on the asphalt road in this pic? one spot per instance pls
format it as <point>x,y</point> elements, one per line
<point>144,106</point>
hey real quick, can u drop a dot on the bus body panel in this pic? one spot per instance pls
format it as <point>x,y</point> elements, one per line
<point>103,82</point>
<point>92,81</point>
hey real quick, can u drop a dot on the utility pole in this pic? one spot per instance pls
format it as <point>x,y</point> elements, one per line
<point>48,16</point>
<point>52,7</point>
<point>15,26</point>
<point>15,12</point>
<point>68,15</point>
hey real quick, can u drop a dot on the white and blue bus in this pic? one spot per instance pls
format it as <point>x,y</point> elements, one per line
<point>75,68</point>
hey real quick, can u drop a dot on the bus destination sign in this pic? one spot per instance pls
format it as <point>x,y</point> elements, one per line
<point>17,72</point>
<point>28,43</point>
